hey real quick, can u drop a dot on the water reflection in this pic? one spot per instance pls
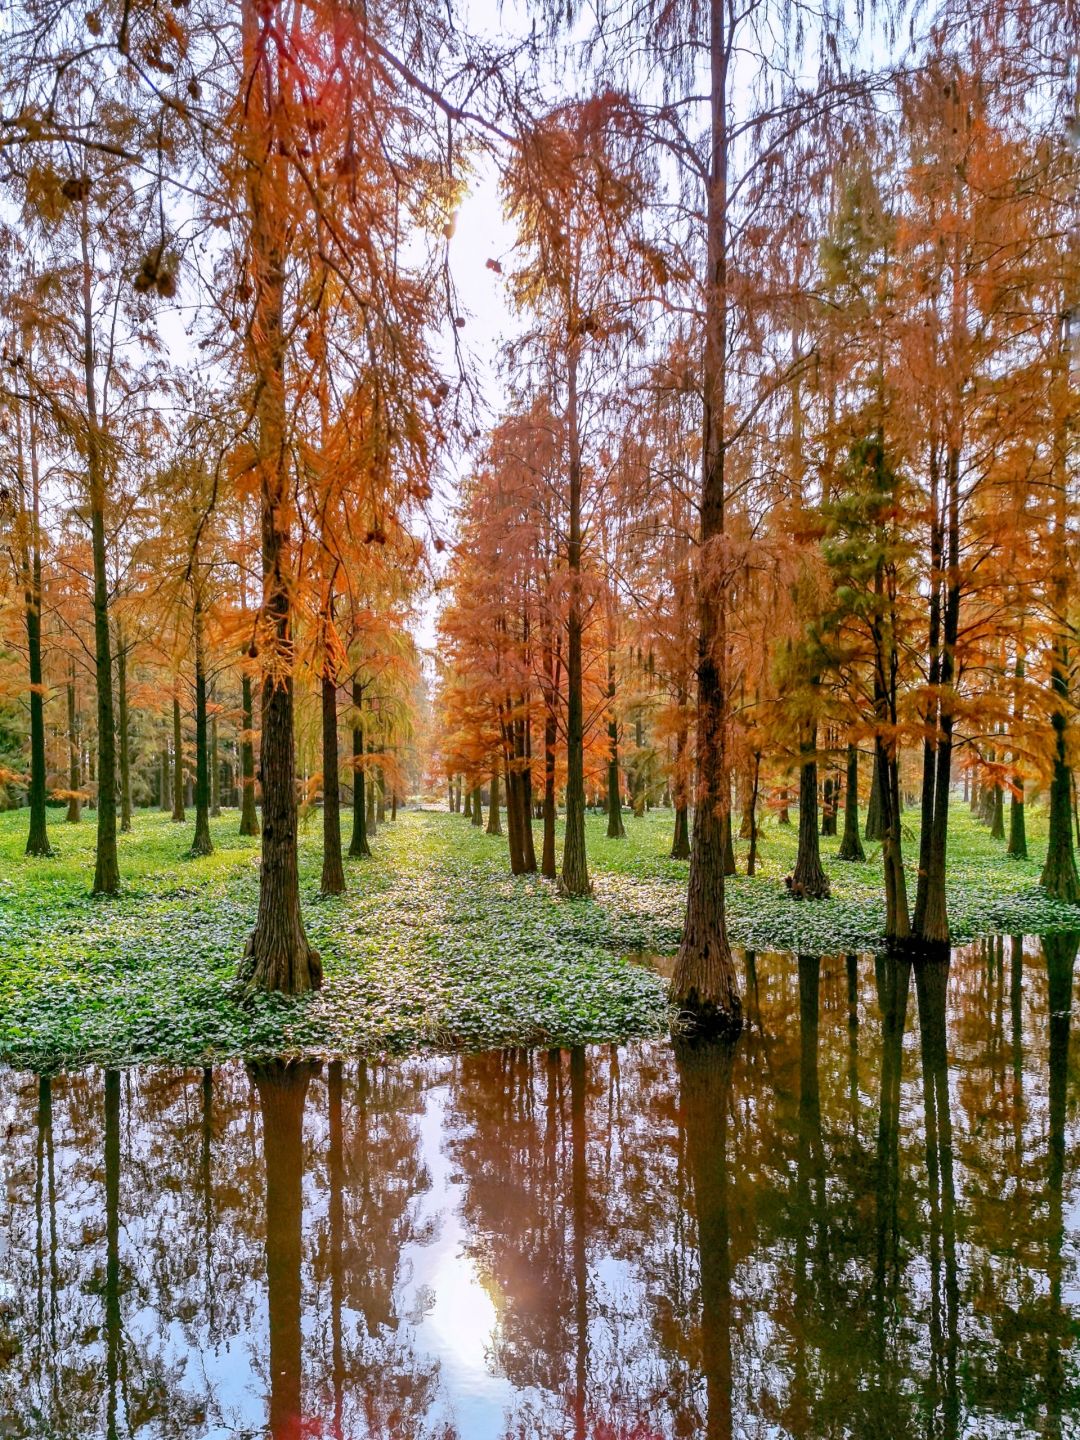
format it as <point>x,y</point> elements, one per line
<point>862,1219</point>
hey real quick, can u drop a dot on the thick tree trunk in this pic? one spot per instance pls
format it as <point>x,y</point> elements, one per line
<point>107,866</point>
<point>333,870</point>
<point>703,983</point>
<point>851,847</point>
<point>476,803</point>
<point>278,955</point>
<point>202,844</point>
<point>829,792</point>
<point>808,880</point>
<point>358,845</point>
<point>249,815</point>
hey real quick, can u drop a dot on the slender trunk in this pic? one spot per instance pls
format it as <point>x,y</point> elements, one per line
<point>215,768</point>
<point>808,880</point>
<point>249,815</point>
<point>1017,846</point>
<point>680,844</point>
<point>178,763</point>
<point>851,847</point>
<point>37,840</point>
<point>528,851</point>
<point>380,798</point>
<point>278,956</point>
<point>616,830</point>
<point>574,877</point>
<point>333,871</point>
<point>371,785</point>
<point>358,845</point>
<point>494,826</point>
<point>547,866</point>
<point>873,808</point>
<point>931,919</point>
<point>751,859</point>
<point>703,983</point>
<point>74,755</point>
<point>125,731</point>
<point>202,844</point>
<point>165,779</point>
<point>107,867</point>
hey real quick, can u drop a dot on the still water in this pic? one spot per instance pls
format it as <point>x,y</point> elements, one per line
<point>861,1221</point>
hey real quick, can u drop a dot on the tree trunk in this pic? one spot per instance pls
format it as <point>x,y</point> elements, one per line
<point>37,840</point>
<point>808,880</point>
<point>380,799</point>
<point>873,809</point>
<point>680,844</point>
<point>703,983</point>
<point>178,764</point>
<point>249,815</point>
<point>616,830</point>
<point>74,754</point>
<point>548,866</point>
<point>333,871</point>
<point>202,844</point>
<point>528,851</point>
<point>107,866</point>
<point>494,827</point>
<point>165,779</point>
<point>751,859</point>
<point>851,847</point>
<point>278,955</point>
<point>358,845</point>
<point>729,848</point>
<point>215,768</point>
<point>371,784</point>
<point>574,877</point>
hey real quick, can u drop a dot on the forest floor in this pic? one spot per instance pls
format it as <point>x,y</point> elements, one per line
<point>435,945</point>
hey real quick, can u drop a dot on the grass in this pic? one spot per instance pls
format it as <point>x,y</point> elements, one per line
<point>434,946</point>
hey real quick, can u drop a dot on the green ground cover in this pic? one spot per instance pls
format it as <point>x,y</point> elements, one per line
<point>435,945</point>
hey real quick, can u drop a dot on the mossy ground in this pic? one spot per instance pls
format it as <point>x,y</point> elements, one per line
<point>435,944</point>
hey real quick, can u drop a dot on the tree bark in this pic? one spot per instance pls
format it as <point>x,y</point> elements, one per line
<point>249,815</point>
<point>616,830</point>
<point>851,847</point>
<point>494,827</point>
<point>215,768</point>
<point>37,840</point>
<point>278,955</point>
<point>107,866</point>
<point>202,844</point>
<point>548,865</point>
<point>333,870</point>
<point>178,764</point>
<point>808,879</point>
<point>703,983</point>
<point>873,807</point>
<point>574,876</point>
<point>74,754</point>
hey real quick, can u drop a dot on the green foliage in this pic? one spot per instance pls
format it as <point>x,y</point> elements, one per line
<point>434,946</point>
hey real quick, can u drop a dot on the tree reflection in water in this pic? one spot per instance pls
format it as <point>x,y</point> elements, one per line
<point>859,1220</point>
